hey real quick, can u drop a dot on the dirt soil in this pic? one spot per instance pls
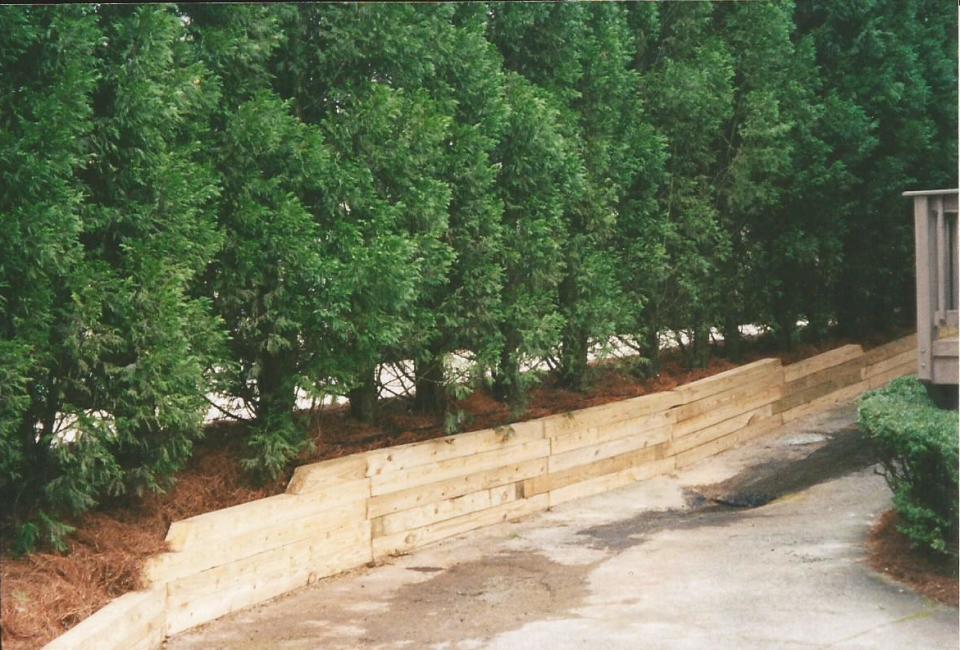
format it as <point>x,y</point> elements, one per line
<point>892,555</point>
<point>44,594</point>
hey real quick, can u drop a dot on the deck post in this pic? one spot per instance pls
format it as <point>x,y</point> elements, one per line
<point>926,289</point>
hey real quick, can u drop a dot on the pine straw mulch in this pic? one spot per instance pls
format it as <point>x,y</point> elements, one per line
<point>891,554</point>
<point>44,594</point>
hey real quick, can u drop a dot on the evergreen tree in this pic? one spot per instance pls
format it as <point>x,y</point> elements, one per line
<point>468,83</point>
<point>148,231</point>
<point>890,79</point>
<point>798,246</point>
<point>50,329</point>
<point>347,70</point>
<point>755,154</point>
<point>263,201</point>
<point>583,56</point>
<point>536,171</point>
<point>277,281</point>
<point>104,348</point>
<point>688,74</point>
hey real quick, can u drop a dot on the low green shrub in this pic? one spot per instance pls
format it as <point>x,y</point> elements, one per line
<point>918,445</point>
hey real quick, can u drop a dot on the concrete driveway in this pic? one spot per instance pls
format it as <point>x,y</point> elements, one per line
<point>760,547</point>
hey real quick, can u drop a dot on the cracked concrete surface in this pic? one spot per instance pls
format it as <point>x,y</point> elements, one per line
<point>666,563</point>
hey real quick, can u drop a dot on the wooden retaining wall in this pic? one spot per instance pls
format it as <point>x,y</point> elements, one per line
<point>343,513</point>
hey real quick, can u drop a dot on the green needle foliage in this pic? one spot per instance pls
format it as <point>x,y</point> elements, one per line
<point>889,75</point>
<point>103,347</point>
<point>148,231</point>
<point>50,329</point>
<point>536,172</point>
<point>358,73</point>
<point>258,203</point>
<point>688,87</point>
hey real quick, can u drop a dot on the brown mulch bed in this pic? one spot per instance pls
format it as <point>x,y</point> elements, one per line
<point>44,594</point>
<point>891,554</point>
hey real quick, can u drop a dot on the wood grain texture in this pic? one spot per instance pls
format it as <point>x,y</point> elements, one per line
<point>442,510</point>
<point>407,541</point>
<point>459,466</point>
<point>596,469</point>
<point>722,399</point>
<point>136,620</point>
<point>764,368</point>
<point>212,527</point>
<point>396,459</point>
<point>755,429</point>
<point>609,448</point>
<point>229,546</point>
<point>881,380</point>
<point>334,472</point>
<point>846,372</point>
<point>908,357</point>
<point>826,402</point>
<point>605,414</point>
<point>611,481</point>
<point>454,487</point>
<point>653,425</point>
<point>891,349</point>
<point>720,429</point>
<point>834,357</point>
<point>207,595</point>
<point>726,411</point>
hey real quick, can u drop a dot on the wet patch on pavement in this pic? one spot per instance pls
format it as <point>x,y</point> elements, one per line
<point>480,599</point>
<point>843,452</point>
<point>834,454</point>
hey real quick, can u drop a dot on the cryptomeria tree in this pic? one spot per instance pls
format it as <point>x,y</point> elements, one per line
<point>467,82</point>
<point>537,170</point>
<point>347,69</point>
<point>148,230</point>
<point>797,246</point>
<point>688,88</point>
<point>583,55</point>
<point>276,283</point>
<point>755,153</point>
<point>890,76</point>
<point>318,269</point>
<point>613,145</point>
<point>101,241</point>
<point>50,330</point>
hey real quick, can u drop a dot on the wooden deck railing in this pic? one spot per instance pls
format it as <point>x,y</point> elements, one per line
<point>938,289</point>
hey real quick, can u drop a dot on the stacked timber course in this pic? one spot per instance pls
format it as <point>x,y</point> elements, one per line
<point>343,513</point>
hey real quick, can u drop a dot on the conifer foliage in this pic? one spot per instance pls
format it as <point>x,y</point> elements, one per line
<point>256,203</point>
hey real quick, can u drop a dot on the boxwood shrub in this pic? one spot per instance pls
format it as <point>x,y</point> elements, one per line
<point>918,445</point>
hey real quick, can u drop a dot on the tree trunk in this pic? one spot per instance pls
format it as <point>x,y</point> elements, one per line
<point>651,350</point>
<point>431,387</point>
<point>507,387</point>
<point>786,325</point>
<point>275,385</point>
<point>700,346</point>
<point>573,358</point>
<point>573,351</point>
<point>732,339</point>
<point>364,404</point>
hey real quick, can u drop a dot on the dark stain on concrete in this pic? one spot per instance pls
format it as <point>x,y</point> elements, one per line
<point>844,451</point>
<point>479,599</point>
